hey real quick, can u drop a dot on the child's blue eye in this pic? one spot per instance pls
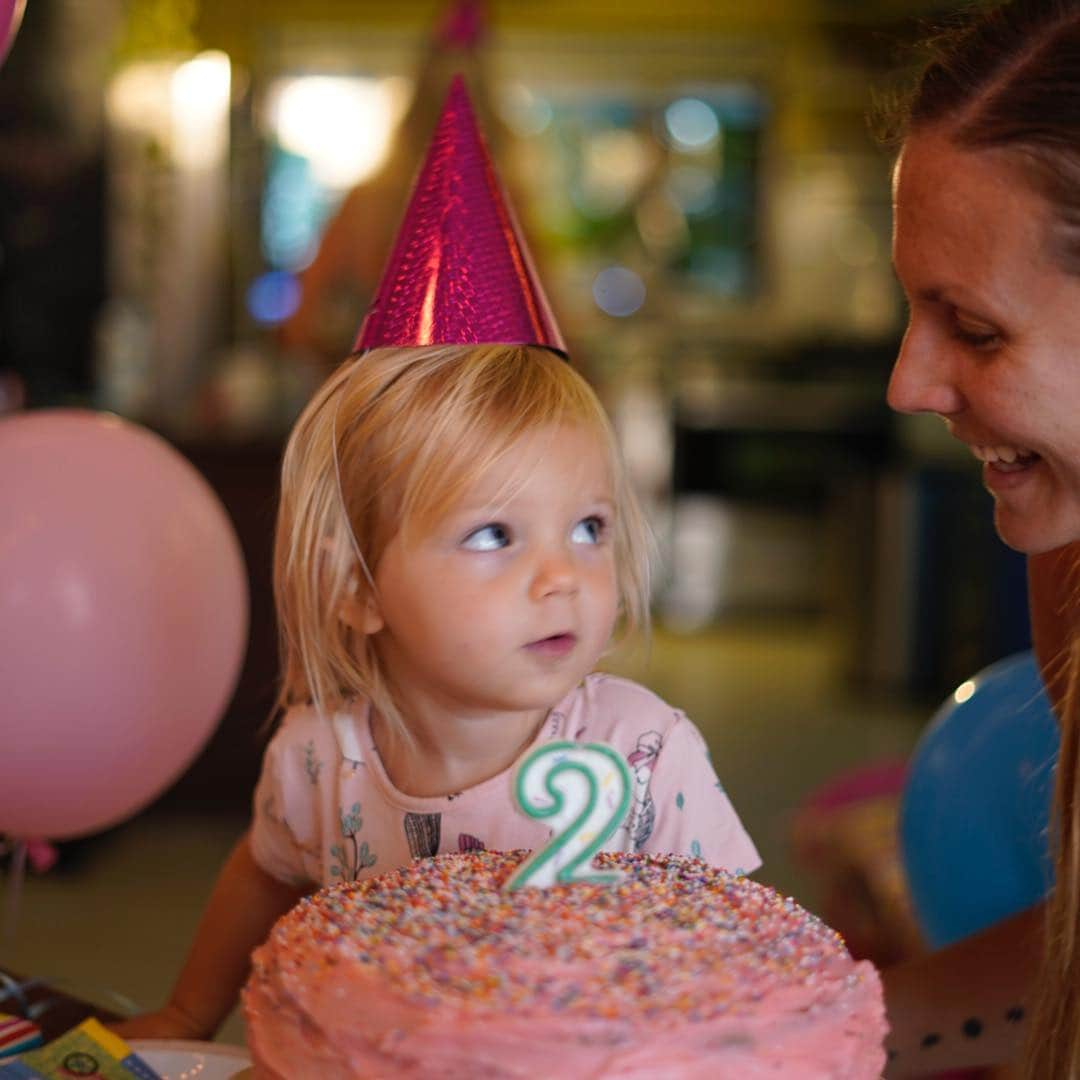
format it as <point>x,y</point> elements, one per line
<point>589,530</point>
<point>487,538</point>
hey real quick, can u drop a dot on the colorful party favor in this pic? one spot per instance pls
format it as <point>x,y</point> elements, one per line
<point>89,1050</point>
<point>17,1035</point>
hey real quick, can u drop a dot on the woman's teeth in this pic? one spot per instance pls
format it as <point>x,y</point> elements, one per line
<point>1007,455</point>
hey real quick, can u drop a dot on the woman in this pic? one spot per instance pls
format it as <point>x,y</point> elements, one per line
<point>987,248</point>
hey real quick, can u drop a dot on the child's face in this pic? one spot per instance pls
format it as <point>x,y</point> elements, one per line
<point>510,600</point>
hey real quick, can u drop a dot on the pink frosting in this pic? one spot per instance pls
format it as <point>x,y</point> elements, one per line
<point>680,971</point>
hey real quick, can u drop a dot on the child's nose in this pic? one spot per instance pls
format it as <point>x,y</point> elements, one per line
<point>923,380</point>
<point>555,573</point>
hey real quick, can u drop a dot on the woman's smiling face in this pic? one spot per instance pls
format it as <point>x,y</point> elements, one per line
<point>993,337</point>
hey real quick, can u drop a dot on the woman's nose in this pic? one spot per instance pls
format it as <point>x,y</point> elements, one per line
<point>922,379</point>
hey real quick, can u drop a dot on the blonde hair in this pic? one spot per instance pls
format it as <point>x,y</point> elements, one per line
<point>387,445</point>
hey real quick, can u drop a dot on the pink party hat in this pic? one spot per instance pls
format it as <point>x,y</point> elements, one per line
<point>459,273</point>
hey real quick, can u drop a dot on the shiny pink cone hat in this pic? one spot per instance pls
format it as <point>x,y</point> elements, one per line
<point>459,273</point>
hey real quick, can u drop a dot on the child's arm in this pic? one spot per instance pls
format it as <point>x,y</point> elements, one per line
<point>967,1004</point>
<point>244,905</point>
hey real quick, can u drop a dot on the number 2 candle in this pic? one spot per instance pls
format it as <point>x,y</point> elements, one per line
<point>583,791</point>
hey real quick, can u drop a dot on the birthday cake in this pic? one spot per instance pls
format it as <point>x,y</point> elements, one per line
<point>678,970</point>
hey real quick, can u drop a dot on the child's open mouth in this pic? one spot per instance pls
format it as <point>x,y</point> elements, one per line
<point>555,645</point>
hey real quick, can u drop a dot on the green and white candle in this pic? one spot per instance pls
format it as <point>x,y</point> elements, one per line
<point>583,791</point>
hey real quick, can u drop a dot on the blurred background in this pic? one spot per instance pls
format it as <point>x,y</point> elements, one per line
<point>196,200</point>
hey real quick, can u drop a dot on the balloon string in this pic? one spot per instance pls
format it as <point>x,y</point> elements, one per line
<point>16,877</point>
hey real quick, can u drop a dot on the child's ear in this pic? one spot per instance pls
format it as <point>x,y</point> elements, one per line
<point>362,613</point>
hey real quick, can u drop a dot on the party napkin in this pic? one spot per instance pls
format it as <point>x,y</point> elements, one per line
<point>17,1035</point>
<point>88,1050</point>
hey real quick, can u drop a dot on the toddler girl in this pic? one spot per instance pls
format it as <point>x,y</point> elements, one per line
<point>457,541</point>
<point>449,619</point>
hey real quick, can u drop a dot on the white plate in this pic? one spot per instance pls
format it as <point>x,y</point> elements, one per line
<point>181,1059</point>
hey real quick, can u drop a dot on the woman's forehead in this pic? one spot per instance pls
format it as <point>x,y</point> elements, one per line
<point>965,218</point>
<point>933,174</point>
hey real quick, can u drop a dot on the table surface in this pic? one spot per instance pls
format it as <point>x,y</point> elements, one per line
<point>53,1010</point>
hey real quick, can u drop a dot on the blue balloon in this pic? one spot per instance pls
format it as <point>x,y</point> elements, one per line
<point>975,811</point>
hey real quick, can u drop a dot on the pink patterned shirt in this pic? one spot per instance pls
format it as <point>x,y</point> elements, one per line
<point>326,811</point>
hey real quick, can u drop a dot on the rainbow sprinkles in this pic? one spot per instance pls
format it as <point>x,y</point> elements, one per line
<point>678,969</point>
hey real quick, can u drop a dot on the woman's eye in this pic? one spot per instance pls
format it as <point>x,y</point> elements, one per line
<point>974,334</point>
<point>976,338</point>
<point>487,538</point>
<point>589,530</point>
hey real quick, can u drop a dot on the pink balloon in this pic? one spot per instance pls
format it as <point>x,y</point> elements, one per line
<point>11,13</point>
<point>123,619</point>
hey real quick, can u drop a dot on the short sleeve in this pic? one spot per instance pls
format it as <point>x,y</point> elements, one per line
<point>283,803</point>
<point>686,807</point>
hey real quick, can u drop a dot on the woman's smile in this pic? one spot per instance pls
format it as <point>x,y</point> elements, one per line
<point>979,350</point>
